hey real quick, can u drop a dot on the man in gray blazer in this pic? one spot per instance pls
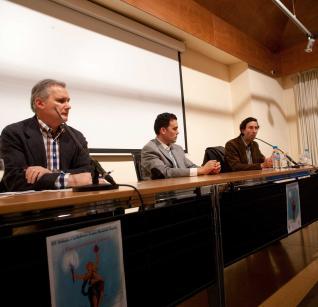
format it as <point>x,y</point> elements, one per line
<point>162,158</point>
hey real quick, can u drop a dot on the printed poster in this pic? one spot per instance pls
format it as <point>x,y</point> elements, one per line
<point>293,207</point>
<point>86,267</point>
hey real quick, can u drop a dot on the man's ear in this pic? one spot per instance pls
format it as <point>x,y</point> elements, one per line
<point>163,130</point>
<point>39,103</point>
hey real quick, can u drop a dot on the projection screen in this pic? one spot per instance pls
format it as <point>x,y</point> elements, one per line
<point>118,81</point>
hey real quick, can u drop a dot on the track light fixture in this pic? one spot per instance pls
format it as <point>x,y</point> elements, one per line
<point>310,43</point>
<point>293,18</point>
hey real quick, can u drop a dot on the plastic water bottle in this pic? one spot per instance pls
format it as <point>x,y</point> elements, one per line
<point>284,162</point>
<point>307,158</point>
<point>276,158</point>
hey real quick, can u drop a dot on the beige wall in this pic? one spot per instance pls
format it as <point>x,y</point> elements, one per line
<point>241,94</point>
<point>207,103</point>
<point>274,106</point>
<point>268,107</point>
<point>217,98</point>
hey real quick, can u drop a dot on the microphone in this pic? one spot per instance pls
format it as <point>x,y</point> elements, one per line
<point>103,173</point>
<point>296,165</point>
<point>96,186</point>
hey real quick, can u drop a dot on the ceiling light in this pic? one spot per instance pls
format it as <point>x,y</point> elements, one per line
<point>293,18</point>
<point>310,43</point>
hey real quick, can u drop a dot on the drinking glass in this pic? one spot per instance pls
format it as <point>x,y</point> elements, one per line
<point>1,168</point>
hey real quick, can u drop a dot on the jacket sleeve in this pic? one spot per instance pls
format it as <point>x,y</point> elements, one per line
<point>233,159</point>
<point>151,161</point>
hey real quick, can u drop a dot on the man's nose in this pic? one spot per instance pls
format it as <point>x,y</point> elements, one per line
<point>68,105</point>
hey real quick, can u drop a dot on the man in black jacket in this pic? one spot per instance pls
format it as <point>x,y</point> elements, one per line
<point>38,153</point>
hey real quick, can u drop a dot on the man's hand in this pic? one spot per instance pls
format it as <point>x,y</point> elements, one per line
<point>211,167</point>
<point>75,180</point>
<point>268,163</point>
<point>34,173</point>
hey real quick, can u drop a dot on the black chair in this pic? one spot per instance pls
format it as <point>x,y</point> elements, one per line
<point>2,188</point>
<point>216,153</point>
<point>137,162</point>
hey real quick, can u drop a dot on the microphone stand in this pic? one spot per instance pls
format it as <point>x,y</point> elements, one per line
<point>296,165</point>
<point>97,168</point>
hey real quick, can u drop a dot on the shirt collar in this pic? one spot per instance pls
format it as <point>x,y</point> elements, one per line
<point>247,146</point>
<point>165,146</point>
<point>48,131</point>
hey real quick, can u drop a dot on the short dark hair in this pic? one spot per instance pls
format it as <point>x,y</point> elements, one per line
<point>163,121</point>
<point>246,121</point>
<point>41,90</point>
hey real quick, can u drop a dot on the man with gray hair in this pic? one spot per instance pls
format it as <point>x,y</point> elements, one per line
<point>38,153</point>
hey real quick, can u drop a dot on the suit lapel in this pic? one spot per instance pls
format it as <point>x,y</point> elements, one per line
<point>253,151</point>
<point>177,156</point>
<point>68,146</point>
<point>163,151</point>
<point>35,142</point>
<point>242,150</point>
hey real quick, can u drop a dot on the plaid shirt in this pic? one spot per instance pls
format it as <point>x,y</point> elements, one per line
<point>52,145</point>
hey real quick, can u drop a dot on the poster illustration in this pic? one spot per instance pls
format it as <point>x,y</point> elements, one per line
<point>86,267</point>
<point>293,207</point>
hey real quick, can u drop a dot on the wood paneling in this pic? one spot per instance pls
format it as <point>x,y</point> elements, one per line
<point>185,15</point>
<point>237,43</point>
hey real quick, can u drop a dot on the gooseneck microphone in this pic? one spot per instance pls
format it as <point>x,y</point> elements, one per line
<point>98,170</point>
<point>296,165</point>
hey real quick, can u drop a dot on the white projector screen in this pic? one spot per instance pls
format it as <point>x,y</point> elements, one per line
<point>118,81</point>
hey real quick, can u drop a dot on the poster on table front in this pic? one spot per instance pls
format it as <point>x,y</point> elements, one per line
<point>293,207</point>
<point>86,267</point>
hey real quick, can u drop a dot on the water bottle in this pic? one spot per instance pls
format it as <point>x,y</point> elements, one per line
<point>276,158</point>
<point>307,158</point>
<point>284,162</point>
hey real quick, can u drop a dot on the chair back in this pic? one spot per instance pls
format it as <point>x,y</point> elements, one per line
<point>2,188</point>
<point>137,162</point>
<point>215,153</point>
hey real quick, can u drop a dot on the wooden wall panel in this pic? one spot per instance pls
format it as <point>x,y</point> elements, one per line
<point>186,15</point>
<point>238,44</point>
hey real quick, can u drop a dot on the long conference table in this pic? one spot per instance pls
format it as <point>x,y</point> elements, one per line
<point>175,245</point>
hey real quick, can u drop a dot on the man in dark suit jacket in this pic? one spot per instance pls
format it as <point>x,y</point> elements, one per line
<point>38,153</point>
<point>242,153</point>
<point>162,158</point>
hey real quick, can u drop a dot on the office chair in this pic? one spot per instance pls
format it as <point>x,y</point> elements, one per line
<point>215,153</point>
<point>2,188</point>
<point>137,162</point>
